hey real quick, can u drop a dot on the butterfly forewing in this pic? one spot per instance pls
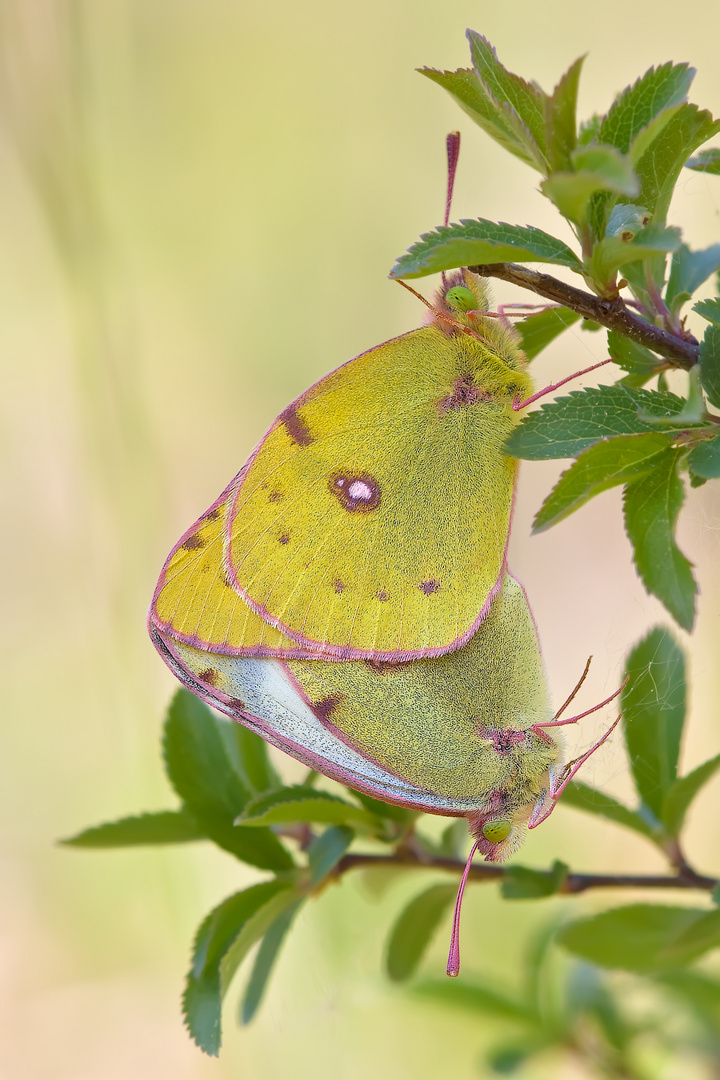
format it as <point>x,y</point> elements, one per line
<point>373,519</point>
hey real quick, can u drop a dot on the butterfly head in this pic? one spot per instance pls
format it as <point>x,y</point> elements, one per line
<point>500,827</point>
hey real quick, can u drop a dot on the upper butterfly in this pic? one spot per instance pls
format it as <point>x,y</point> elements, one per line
<point>372,520</point>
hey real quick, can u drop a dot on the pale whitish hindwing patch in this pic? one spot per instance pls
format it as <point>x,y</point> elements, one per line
<point>262,695</point>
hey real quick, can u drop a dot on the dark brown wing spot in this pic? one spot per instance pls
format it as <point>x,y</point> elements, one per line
<point>209,676</point>
<point>356,492</point>
<point>383,667</point>
<point>284,538</point>
<point>193,542</point>
<point>338,585</point>
<point>275,496</point>
<point>236,703</point>
<point>324,708</point>
<point>429,587</point>
<point>212,515</point>
<point>464,393</point>
<point>296,427</point>
<point>383,596</point>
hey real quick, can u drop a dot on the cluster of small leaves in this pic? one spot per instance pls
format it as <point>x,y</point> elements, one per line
<point>571,1009</point>
<point>231,795</point>
<point>612,179</point>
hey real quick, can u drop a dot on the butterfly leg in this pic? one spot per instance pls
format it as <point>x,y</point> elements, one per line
<point>570,770</point>
<point>574,719</point>
<point>518,405</point>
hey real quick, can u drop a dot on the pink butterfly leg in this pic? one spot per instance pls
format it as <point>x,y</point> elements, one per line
<point>518,405</point>
<point>569,772</point>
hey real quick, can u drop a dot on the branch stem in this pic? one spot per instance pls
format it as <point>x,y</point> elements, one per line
<point>614,314</point>
<point>573,884</point>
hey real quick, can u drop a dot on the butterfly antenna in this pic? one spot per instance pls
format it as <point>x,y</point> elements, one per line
<point>582,679</point>
<point>441,315</point>
<point>453,152</point>
<point>453,964</point>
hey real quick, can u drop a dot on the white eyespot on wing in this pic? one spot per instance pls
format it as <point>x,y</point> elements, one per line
<point>360,490</point>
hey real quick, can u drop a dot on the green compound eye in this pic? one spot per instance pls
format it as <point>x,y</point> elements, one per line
<point>496,831</point>
<point>461,298</point>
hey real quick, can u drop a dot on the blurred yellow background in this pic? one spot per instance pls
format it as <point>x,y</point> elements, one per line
<point>199,205</point>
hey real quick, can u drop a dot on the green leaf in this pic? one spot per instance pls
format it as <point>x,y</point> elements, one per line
<point>265,961</point>
<point>704,459</point>
<point>560,117</point>
<point>596,168</point>
<point>508,1057</point>
<point>477,997</point>
<point>202,999</point>
<point>202,774</point>
<point>537,331</point>
<point>522,883</point>
<point>637,120</point>
<point>413,930</point>
<point>609,163</point>
<point>709,309</point>
<point>710,364</point>
<point>587,993</point>
<point>569,425</point>
<point>653,705</point>
<point>473,97</point>
<point>164,827</point>
<point>613,252</point>
<point>521,102</point>
<point>402,815</point>
<point>707,161</point>
<point>583,797</point>
<point>327,850</point>
<point>660,165</point>
<point>640,364</point>
<point>699,992</point>
<point>632,938</point>
<point>626,221</point>
<point>639,104</point>
<point>681,793</point>
<point>695,939</point>
<point>604,465</point>
<point>478,241</point>
<point>250,759</point>
<point>252,930</point>
<point>196,759</point>
<point>688,270</point>
<point>291,804</point>
<point>651,508</point>
<point>453,839</point>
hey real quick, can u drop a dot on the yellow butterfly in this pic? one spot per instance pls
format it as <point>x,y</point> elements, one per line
<point>464,734</point>
<point>372,520</point>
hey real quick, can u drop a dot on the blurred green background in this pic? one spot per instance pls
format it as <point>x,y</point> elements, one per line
<point>199,206</point>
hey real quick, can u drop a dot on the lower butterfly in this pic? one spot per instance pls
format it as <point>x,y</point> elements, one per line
<point>467,734</point>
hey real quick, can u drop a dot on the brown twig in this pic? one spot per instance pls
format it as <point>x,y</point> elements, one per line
<point>574,883</point>
<point>614,314</point>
